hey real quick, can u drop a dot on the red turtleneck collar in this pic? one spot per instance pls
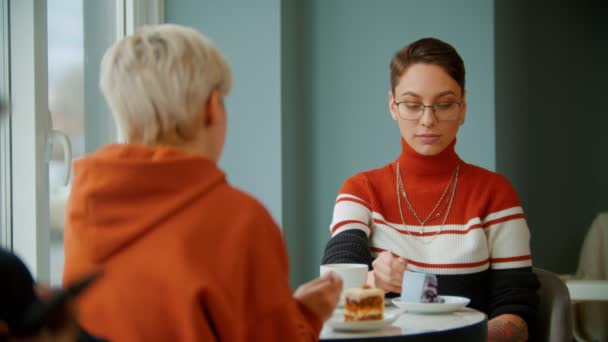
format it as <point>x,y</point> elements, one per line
<point>414,163</point>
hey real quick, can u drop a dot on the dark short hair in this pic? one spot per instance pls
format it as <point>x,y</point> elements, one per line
<point>21,308</point>
<point>428,51</point>
<point>16,291</point>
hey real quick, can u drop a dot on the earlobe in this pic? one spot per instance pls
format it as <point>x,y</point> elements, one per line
<point>212,109</point>
<point>392,110</point>
<point>464,110</point>
<point>391,104</point>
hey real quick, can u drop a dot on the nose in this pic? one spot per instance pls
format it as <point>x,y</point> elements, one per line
<point>428,118</point>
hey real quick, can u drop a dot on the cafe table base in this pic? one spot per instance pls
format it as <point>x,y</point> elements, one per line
<point>463,325</point>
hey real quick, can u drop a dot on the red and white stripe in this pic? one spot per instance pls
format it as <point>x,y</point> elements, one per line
<point>351,212</point>
<point>498,241</point>
<point>509,239</point>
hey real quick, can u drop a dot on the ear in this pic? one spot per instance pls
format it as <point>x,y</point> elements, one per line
<point>214,109</point>
<point>391,106</point>
<point>463,109</point>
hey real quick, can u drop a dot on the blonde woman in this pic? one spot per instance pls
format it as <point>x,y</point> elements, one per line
<point>186,256</point>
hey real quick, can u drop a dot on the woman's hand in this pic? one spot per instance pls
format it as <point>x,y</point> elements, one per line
<point>321,295</point>
<point>507,327</point>
<point>388,272</point>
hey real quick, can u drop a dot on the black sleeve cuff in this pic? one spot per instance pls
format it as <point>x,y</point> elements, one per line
<point>350,246</point>
<point>514,291</point>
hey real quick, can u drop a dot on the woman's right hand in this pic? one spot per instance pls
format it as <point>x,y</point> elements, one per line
<point>388,272</point>
<point>321,295</point>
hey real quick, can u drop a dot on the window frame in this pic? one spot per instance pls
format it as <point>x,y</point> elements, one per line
<point>24,191</point>
<point>5,129</point>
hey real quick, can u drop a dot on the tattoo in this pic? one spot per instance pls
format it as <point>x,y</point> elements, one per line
<point>507,329</point>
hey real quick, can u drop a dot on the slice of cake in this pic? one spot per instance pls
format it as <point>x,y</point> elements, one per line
<point>363,304</point>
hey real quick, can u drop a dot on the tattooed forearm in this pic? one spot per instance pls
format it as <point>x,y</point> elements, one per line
<point>507,328</point>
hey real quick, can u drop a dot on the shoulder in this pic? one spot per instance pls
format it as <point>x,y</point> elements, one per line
<point>487,178</point>
<point>238,212</point>
<point>230,196</point>
<point>250,208</point>
<point>254,231</point>
<point>484,174</point>
<point>233,223</point>
<point>364,180</point>
<point>493,190</point>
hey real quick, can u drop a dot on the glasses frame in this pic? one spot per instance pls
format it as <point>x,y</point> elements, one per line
<point>433,108</point>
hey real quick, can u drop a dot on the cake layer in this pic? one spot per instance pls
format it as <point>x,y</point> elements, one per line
<point>363,304</point>
<point>358,293</point>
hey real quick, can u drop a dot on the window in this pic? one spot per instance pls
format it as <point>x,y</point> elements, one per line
<point>57,112</point>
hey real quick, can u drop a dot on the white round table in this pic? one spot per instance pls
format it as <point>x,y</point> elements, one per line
<point>466,324</point>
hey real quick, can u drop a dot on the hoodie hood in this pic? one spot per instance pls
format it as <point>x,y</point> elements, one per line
<point>122,192</point>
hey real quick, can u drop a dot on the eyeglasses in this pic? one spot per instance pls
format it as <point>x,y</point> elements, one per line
<point>444,111</point>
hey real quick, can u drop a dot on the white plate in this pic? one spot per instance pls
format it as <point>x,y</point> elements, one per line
<point>452,303</point>
<point>337,322</point>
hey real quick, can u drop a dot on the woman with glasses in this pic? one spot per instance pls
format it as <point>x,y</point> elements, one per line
<point>431,212</point>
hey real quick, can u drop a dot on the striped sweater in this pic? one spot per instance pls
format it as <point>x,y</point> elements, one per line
<point>477,245</point>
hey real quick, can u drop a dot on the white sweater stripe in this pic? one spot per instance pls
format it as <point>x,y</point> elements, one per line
<point>503,213</point>
<point>453,228</point>
<point>450,253</point>
<point>509,243</point>
<point>498,241</point>
<point>344,196</point>
<point>350,213</point>
<point>345,227</point>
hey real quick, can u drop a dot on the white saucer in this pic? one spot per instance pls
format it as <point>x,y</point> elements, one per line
<point>337,322</point>
<point>451,304</point>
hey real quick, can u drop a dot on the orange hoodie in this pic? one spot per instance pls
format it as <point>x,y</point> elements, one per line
<point>186,257</point>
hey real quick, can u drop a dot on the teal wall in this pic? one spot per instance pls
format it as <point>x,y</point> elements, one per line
<point>248,33</point>
<point>309,107</point>
<point>551,140</point>
<point>296,132</point>
<point>348,45</point>
<point>99,127</point>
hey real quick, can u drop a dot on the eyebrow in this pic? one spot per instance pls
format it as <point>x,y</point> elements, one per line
<point>443,93</point>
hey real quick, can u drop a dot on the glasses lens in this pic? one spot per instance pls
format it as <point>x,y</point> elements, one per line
<point>447,110</point>
<point>444,111</point>
<point>410,110</point>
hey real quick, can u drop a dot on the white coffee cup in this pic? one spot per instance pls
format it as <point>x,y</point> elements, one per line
<point>353,275</point>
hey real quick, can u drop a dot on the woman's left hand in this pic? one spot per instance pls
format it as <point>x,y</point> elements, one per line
<point>507,327</point>
<point>388,272</point>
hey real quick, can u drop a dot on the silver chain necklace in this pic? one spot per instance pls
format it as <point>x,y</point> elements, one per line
<point>400,191</point>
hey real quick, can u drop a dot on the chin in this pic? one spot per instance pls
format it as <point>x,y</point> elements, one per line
<point>218,154</point>
<point>429,150</point>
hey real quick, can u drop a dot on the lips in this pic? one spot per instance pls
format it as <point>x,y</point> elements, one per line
<point>427,138</point>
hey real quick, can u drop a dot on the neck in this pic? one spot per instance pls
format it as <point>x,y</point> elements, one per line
<point>197,146</point>
<point>414,163</point>
<point>193,149</point>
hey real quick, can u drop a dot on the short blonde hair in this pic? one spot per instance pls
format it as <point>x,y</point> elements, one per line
<point>157,80</point>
